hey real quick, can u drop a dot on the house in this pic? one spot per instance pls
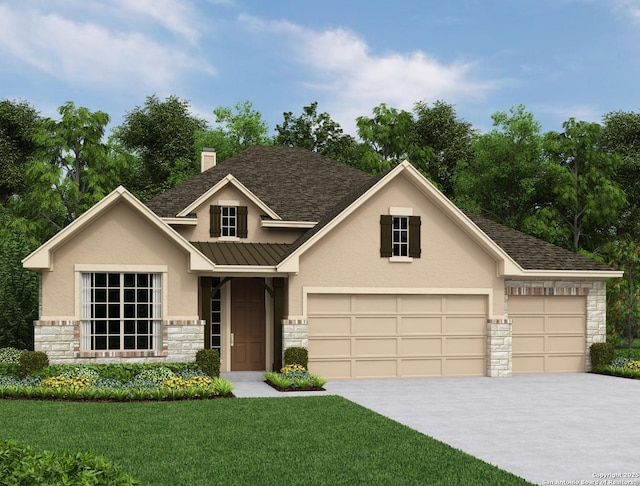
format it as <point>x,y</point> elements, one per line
<point>279,247</point>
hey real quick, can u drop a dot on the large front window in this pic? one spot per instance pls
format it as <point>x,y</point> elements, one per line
<point>121,311</point>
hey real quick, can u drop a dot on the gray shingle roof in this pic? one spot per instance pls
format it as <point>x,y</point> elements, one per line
<point>534,254</point>
<point>297,184</point>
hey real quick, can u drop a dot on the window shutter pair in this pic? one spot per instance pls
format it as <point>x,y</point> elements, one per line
<point>215,216</point>
<point>386,236</point>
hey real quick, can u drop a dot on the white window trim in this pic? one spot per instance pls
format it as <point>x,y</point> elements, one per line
<point>228,203</point>
<point>400,211</point>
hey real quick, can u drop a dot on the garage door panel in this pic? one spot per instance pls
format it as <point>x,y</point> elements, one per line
<point>565,324</point>
<point>527,364</point>
<point>421,367</point>
<point>329,304</point>
<point>376,368</point>
<point>372,304</point>
<point>323,348</point>
<point>465,346</point>
<point>397,335</point>
<point>466,304</point>
<point>528,344</point>
<point>376,325</point>
<point>565,344</point>
<point>376,347</point>
<point>526,305</point>
<point>421,325</point>
<point>529,325</point>
<point>465,367</point>
<point>564,364</point>
<point>421,304</point>
<point>466,325</point>
<point>421,347</point>
<point>330,326</point>
<point>565,305</point>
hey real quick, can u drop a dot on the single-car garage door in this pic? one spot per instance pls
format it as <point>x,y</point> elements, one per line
<point>367,336</point>
<point>549,333</point>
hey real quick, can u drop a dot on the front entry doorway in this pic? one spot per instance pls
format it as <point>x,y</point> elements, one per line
<point>248,340</point>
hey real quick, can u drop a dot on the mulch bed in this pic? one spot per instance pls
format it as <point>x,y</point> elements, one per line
<point>309,388</point>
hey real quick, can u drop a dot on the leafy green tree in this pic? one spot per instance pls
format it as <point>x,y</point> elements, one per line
<point>440,141</point>
<point>587,198</point>
<point>237,129</point>
<point>69,173</point>
<point>623,294</point>
<point>507,180</point>
<point>621,135</point>
<point>161,134</point>
<point>388,133</point>
<point>18,123</point>
<point>18,292</point>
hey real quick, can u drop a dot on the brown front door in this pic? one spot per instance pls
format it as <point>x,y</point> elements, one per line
<point>247,324</point>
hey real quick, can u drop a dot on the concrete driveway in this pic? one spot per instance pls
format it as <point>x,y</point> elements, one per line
<point>548,429</point>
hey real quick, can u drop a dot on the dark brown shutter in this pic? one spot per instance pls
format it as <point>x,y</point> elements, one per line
<point>414,236</point>
<point>214,226</point>
<point>386,247</point>
<point>242,221</point>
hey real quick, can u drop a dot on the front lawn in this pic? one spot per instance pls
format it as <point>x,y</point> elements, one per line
<point>302,440</point>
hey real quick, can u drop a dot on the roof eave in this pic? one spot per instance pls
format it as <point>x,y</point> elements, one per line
<point>565,274</point>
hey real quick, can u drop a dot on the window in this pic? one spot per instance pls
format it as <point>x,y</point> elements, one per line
<point>216,317</point>
<point>228,221</point>
<point>400,236</point>
<point>121,311</point>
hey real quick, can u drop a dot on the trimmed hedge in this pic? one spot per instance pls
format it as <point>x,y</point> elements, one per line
<point>209,361</point>
<point>21,465</point>
<point>32,361</point>
<point>296,355</point>
<point>602,354</point>
<point>123,372</point>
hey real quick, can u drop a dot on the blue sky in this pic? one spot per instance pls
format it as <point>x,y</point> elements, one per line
<point>560,58</point>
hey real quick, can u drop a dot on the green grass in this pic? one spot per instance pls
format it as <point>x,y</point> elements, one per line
<point>304,440</point>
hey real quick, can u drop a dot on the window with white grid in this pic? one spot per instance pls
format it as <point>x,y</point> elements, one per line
<point>400,233</point>
<point>121,311</point>
<point>229,221</point>
<point>216,317</point>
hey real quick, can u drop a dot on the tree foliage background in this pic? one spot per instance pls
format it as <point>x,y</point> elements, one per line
<point>578,188</point>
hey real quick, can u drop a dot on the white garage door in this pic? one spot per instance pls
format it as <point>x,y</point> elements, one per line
<point>549,333</point>
<point>378,336</point>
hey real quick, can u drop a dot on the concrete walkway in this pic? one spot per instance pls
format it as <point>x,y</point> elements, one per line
<point>548,429</point>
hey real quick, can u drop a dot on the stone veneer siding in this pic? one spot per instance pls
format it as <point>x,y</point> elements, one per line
<point>295,333</point>
<point>595,292</point>
<point>61,341</point>
<point>499,347</point>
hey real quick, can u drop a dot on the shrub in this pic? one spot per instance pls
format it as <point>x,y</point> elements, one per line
<point>632,354</point>
<point>619,362</point>
<point>22,465</point>
<point>209,362</point>
<point>123,372</point>
<point>602,354</point>
<point>296,355</point>
<point>31,361</point>
<point>154,375</point>
<point>10,355</point>
<point>80,372</point>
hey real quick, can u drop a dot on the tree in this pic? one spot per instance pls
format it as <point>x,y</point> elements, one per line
<point>441,140</point>
<point>507,179</point>
<point>18,122</point>
<point>162,135</point>
<point>621,135</point>
<point>388,133</point>
<point>588,200</point>
<point>236,131</point>
<point>69,173</point>
<point>18,293</point>
<point>623,299</point>
<point>319,133</point>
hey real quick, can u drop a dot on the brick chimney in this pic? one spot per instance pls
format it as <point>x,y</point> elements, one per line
<point>207,159</point>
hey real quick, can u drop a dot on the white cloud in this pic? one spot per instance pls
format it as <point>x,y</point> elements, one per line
<point>86,53</point>
<point>562,113</point>
<point>629,8</point>
<point>354,79</point>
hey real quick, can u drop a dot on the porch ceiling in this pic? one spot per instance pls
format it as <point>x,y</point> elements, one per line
<point>233,253</point>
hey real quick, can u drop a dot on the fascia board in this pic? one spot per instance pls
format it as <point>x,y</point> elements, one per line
<point>567,274</point>
<point>228,179</point>
<point>269,223</point>
<point>181,221</point>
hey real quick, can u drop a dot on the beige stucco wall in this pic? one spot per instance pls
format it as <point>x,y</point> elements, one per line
<point>349,255</point>
<point>255,233</point>
<point>121,236</point>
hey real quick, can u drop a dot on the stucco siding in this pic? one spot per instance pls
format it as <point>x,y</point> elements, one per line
<point>120,237</point>
<point>349,254</point>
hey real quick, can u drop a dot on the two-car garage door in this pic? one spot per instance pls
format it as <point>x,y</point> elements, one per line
<point>382,335</point>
